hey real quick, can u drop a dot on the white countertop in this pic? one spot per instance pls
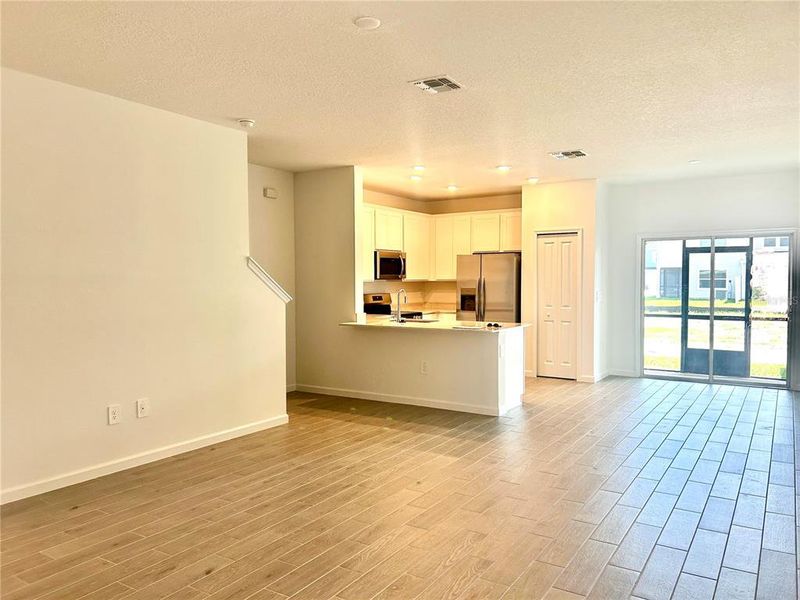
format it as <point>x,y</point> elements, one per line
<point>386,322</point>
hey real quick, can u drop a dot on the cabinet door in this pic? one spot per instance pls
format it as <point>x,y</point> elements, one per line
<point>486,233</point>
<point>388,230</point>
<point>417,245</point>
<point>444,256</point>
<point>511,231</point>
<point>368,243</point>
<point>462,224</point>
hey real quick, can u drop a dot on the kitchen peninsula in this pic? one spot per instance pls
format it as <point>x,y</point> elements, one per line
<point>463,366</point>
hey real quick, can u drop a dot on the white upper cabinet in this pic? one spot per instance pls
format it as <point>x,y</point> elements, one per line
<point>432,243</point>
<point>417,245</point>
<point>368,243</point>
<point>451,237</point>
<point>485,232</point>
<point>511,231</point>
<point>388,229</point>
<point>444,260</point>
<point>462,237</point>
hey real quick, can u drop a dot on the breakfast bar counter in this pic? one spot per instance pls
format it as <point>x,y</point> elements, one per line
<point>442,363</point>
<point>430,324</point>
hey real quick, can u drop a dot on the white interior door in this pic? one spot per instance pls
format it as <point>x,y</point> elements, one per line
<point>557,290</point>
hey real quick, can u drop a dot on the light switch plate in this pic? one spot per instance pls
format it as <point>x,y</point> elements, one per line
<point>142,408</point>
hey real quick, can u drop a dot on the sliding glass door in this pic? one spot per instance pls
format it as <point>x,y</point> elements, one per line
<point>717,308</point>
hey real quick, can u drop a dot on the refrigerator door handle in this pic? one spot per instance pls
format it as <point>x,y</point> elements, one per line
<point>483,299</point>
<point>478,299</point>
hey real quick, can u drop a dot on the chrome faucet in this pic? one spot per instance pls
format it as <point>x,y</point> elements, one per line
<point>399,318</point>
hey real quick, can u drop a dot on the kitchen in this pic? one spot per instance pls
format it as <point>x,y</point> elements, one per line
<point>458,274</point>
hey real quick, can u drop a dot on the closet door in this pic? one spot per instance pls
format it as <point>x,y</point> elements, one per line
<point>557,291</point>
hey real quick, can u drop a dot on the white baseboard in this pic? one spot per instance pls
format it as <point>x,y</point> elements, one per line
<point>592,378</point>
<point>291,387</point>
<point>53,483</point>
<point>412,400</point>
<point>623,373</point>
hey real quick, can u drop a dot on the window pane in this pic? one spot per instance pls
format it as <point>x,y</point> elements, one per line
<point>699,243</point>
<point>768,345</point>
<point>729,335</point>
<point>698,334</point>
<point>731,270</point>
<point>662,276</point>
<point>727,242</point>
<point>662,343</point>
<point>699,283</point>
<point>770,280</point>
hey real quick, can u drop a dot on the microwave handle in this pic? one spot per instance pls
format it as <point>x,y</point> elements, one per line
<point>402,267</point>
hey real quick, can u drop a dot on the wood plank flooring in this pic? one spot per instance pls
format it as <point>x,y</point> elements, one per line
<point>630,487</point>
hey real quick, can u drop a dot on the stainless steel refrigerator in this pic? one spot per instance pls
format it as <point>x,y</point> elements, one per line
<point>488,287</point>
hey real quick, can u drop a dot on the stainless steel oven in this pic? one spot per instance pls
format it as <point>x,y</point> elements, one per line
<point>390,265</point>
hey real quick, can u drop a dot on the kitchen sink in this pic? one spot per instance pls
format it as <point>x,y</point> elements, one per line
<point>410,320</point>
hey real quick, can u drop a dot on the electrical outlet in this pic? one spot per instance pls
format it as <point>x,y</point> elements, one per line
<point>142,408</point>
<point>423,367</point>
<point>114,414</point>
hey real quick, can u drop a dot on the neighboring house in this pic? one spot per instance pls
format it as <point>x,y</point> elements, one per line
<point>664,269</point>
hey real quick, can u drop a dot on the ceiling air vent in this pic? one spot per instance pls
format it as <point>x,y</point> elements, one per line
<point>565,154</point>
<point>436,85</point>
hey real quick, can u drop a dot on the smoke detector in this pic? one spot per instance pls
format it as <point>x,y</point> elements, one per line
<point>565,154</point>
<point>436,85</point>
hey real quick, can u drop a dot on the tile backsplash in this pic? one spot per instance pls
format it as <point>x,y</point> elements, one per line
<point>425,295</point>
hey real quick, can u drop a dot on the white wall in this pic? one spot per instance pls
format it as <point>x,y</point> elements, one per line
<point>444,205</point>
<point>561,206</point>
<point>124,232</point>
<point>328,272</point>
<point>716,204</point>
<point>272,240</point>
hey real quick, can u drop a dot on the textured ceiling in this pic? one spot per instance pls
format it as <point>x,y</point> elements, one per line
<point>641,87</point>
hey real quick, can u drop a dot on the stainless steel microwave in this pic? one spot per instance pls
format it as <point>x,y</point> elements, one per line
<point>390,264</point>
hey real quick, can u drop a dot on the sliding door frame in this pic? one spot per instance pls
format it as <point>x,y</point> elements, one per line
<point>793,333</point>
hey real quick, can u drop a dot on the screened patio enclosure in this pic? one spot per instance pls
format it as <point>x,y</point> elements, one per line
<point>717,308</point>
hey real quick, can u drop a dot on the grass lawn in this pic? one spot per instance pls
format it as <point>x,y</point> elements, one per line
<point>701,306</point>
<point>768,342</point>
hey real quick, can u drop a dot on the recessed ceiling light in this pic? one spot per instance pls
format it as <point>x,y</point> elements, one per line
<point>246,123</point>
<point>415,178</point>
<point>533,180</point>
<point>503,168</point>
<point>367,23</point>
<point>418,167</point>
<point>694,161</point>
<point>452,188</point>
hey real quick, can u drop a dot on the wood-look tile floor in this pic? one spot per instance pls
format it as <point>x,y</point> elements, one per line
<point>630,487</point>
